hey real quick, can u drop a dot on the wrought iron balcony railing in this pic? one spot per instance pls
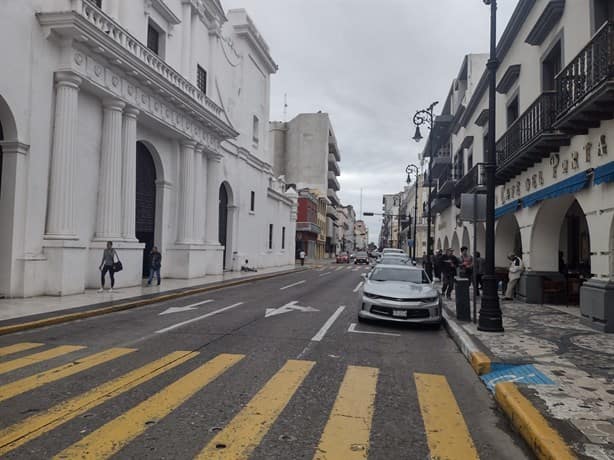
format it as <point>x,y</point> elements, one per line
<point>474,181</point>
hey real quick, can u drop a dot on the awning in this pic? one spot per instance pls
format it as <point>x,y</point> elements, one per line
<point>604,173</point>
<point>507,208</point>
<point>571,185</point>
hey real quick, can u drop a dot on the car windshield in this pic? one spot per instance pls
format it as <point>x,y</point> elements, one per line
<point>394,260</point>
<point>399,274</point>
<point>361,254</point>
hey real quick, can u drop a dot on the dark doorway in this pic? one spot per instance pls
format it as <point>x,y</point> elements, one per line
<point>145,202</point>
<point>551,66</point>
<point>223,222</point>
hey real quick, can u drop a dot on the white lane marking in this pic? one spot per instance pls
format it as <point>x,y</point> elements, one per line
<point>198,318</point>
<point>339,268</point>
<point>292,285</point>
<point>358,287</point>
<point>322,332</point>
<point>186,308</point>
<point>327,273</point>
<point>349,267</point>
<point>292,306</point>
<point>352,328</point>
<point>354,269</point>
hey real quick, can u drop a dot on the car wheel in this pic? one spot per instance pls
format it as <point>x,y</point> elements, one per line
<point>361,320</point>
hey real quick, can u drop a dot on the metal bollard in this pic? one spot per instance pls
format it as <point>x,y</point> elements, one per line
<point>463,310</point>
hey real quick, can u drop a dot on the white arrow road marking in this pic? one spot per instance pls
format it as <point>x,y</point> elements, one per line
<point>322,332</point>
<point>170,310</point>
<point>292,306</point>
<point>358,287</point>
<point>292,285</point>
<point>352,328</point>
<point>327,273</point>
<point>175,326</point>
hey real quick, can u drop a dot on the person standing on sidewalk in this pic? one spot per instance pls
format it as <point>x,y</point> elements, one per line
<point>466,263</point>
<point>301,255</point>
<point>449,264</point>
<point>437,264</point>
<point>156,264</point>
<point>515,270</point>
<point>106,265</point>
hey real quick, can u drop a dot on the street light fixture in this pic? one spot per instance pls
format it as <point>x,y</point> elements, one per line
<point>422,117</point>
<point>490,314</point>
<point>409,169</point>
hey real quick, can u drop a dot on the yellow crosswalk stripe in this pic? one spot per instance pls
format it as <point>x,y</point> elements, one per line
<point>16,348</point>
<point>16,435</point>
<point>241,436</point>
<point>447,434</point>
<point>346,435</point>
<point>18,387</point>
<point>110,438</point>
<point>37,358</point>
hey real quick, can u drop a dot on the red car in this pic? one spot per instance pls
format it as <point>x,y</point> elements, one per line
<point>343,258</point>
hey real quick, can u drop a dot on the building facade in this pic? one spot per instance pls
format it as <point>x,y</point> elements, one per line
<point>361,236</point>
<point>554,145</point>
<point>347,221</point>
<point>391,226</point>
<point>414,215</point>
<point>153,131</point>
<point>307,224</point>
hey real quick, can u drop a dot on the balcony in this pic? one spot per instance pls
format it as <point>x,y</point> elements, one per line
<point>331,212</point>
<point>332,196</point>
<point>586,85</point>
<point>530,138</point>
<point>307,227</point>
<point>333,148</point>
<point>441,161</point>
<point>333,182</point>
<point>440,204</point>
<point>472,182</point>
<point>333,165</point>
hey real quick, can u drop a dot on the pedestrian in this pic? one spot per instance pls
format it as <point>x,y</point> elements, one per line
<point>437,264</point>
<point>301,255</point>
<point>478,265</point>
<point>155,265</point>
<point>108,264</point>
<point>515,270</point>
<point>449,264</point>
<point>466,263</point>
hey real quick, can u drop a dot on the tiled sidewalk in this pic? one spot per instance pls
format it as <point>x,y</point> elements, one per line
<point>578,359</point>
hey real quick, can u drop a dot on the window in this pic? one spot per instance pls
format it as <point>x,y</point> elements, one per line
<point>201,80</point>
<point>551,66</point>
<point>283,237</point>
<point>98,3</point>
<point>252,201</point>
<point>512,111</point>
<point>255,129</point>
<point>270,236</point>
<point>603,11</point>
<point>153,38</point>
<point>470,158</point>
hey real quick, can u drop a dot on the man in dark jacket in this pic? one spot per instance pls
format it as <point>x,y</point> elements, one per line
<point>449,264</point>
<point>437,264</point>
<point>156,264</point>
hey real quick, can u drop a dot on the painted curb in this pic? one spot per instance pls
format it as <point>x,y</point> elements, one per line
<point>65,318</point>
<point>543,440</point>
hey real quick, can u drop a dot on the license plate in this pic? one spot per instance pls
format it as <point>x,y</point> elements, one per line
<point>399,313</point>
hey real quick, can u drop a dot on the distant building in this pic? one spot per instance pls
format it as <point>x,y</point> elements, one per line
<point>361,236</point>
<point>307,223</point>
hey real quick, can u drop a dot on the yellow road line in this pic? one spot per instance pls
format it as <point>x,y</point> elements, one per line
<point>110,438</point>
<point>545,442</point>
<point>9,350</point>
<point>246,430</point>
<point>346,435</point>
<point>16,435</point>
<point>18,387</point>
<point>37,358</point>
<point>446,432</point>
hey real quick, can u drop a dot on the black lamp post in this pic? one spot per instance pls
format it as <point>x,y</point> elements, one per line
<point>413,168</point>
<point>490,314</point>
<point>422,117</point>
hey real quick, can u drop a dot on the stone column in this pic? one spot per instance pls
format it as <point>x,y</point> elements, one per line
<point>214,179</point>
<point>186,39</point>
<point>60,209</point>
<point>199,215</point>
<point>109,216</point>
<point>129,174</point>
<point>185,233</point>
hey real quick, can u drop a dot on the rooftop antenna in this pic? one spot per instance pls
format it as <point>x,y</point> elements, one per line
<point>285,106</point>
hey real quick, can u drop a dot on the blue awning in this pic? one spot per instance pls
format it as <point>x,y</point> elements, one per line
<point>565,187</point>
<point>507,208</point>
<point>604,173</point>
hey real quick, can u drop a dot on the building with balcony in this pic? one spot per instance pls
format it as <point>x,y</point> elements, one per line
<point>346,222</point>
<point>361,236</point>
<point>141,123</point>
<point>554,131</point>
<point>307,224</point>
<point>413,218</point>
<point>390,230</point>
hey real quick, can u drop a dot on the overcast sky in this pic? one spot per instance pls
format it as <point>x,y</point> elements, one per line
<point>370,65</point>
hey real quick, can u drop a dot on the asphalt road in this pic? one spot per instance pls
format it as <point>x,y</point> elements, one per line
<point>215,377</point>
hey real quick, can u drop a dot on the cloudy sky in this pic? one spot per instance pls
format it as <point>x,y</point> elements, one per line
<point>370,65</point>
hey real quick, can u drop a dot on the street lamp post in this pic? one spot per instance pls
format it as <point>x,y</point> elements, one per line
<point>490,314</point>
<point>422,117</point>
<point>409,169</point>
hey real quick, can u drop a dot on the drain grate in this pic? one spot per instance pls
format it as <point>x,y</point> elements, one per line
<point>523,373</point>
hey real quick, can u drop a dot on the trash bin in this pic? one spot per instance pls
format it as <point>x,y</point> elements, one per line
<point>463,307</point>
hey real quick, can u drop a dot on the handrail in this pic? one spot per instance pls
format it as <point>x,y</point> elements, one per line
<point>475,177</point>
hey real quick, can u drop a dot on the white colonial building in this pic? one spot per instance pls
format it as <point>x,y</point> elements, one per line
<point>141,122</point>
<point>555,138</point>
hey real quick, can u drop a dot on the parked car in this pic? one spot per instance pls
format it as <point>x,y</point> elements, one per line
<point>393,251</point>
<point>361,258</point>
<point>343,258</point>
<point>401,294</point>
<point>393,259</point>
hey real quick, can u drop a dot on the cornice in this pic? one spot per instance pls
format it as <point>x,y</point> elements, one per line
<point>508,79</point>
<point>248,31</point>
<point>163,10</point>
<point>279,196</point>
<point>546,22</point>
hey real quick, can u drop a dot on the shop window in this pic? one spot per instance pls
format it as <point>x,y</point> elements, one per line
<point>512,111</point>
<point>252,201</point>
<point>551,66</point>
<point>201,79</point>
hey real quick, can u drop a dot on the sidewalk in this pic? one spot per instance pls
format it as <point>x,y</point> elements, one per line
<point>11,309</point>
<point>575,392</point>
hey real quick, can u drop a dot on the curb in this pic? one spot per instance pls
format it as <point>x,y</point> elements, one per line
<point>545,442</point>
<point>65,318</point>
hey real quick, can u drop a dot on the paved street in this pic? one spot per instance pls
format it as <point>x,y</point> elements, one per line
<point>230,374</point>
